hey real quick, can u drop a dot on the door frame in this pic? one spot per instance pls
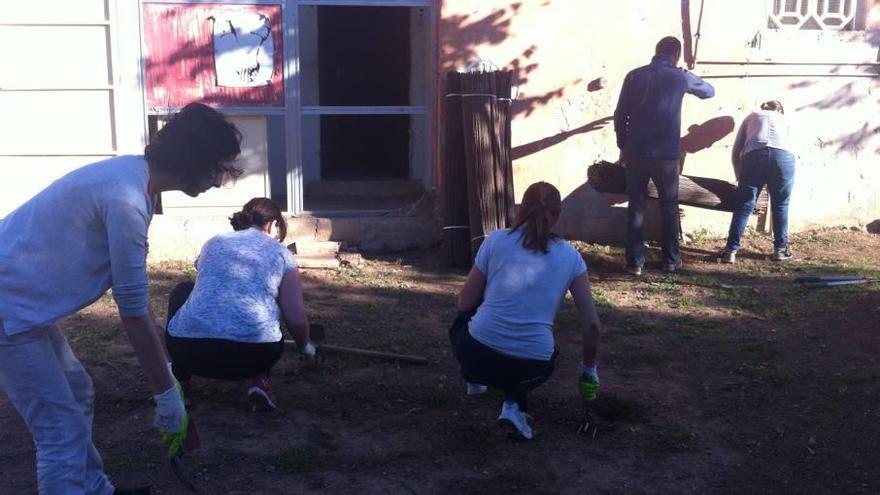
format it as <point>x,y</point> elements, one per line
<point>293,110</point>
<point>420,167</point>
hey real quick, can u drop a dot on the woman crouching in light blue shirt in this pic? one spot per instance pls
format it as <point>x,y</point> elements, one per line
<point>503,336</point>
<point>226,325</point>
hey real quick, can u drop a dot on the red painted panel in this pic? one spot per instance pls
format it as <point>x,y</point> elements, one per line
<point>180,65</point>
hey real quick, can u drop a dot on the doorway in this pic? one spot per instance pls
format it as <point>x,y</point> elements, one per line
<point>364,91</point>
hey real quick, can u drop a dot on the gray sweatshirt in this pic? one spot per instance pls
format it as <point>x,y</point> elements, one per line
<point>63,248</point>
<point>762,129</point>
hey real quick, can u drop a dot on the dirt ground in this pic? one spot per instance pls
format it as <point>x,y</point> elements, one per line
<point>720,379</point>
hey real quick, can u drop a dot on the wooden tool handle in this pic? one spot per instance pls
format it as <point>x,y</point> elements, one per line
<point>406,358</point>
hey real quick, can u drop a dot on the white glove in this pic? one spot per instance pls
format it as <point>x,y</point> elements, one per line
<point>170,411</point>
<point>309,349</point>
<point>590,371</point>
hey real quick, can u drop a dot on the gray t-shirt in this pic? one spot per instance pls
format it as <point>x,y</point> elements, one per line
<point>236,290</point>
<point>523,292</point>
<point>62,249</point>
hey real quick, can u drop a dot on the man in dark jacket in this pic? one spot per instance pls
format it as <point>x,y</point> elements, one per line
<point>647,122</point>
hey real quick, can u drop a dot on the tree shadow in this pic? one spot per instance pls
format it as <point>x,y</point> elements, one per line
<point>849,96</point>
<point>461,37</point>
<point>542,144</point>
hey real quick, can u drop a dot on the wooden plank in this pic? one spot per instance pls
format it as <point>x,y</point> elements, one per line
<point>701,192</point>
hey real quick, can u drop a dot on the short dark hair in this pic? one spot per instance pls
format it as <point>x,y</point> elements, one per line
<point>196,143</point>
<point>669,46</point>
<point>258,212</point>
<point>540,200</point>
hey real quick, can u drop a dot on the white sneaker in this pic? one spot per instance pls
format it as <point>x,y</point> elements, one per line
<point>476,389</point>
<point>514,420</point>
<point>728,256</point>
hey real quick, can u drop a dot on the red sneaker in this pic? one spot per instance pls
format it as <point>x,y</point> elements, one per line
<point>260,394</point>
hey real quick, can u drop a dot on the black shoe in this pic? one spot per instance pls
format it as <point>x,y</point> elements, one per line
<point>634,270</point>
<point>143,490</point>
<point>781,254</point>
<point>672,267</point>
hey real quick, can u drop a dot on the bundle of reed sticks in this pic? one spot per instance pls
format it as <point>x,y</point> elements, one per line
<point>477,166</point>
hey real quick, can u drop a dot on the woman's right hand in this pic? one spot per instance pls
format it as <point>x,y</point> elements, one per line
<point>589,382</point>
<point>171,418</point>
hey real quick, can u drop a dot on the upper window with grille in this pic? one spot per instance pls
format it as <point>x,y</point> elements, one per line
<point>824,15</point>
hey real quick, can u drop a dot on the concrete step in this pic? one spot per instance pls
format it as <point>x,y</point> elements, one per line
<point>384,233</point>
<point>317,260</point>
<point>309,246</point>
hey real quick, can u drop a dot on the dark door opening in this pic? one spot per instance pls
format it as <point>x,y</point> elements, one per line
<point>364,60</point>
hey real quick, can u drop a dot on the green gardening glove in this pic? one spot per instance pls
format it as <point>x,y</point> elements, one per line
<point>589,382</point>
<point>172,420</point>
<point>174,441</point>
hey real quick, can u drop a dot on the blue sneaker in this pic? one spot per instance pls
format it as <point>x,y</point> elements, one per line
<point>515,421</point>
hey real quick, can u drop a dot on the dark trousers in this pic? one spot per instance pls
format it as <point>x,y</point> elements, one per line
<point>481,364</point>
<point>664,174</point>
<point>216,358</point>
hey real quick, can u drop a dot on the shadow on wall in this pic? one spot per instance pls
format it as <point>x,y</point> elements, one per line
<point>542,144</point>
<point>849,96</point>
<point>873,227</point>
<point>462,36</point>
<point>591,216</point>
<point>702,136</point>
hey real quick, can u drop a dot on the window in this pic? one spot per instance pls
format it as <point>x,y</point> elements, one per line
<point>823,15</point>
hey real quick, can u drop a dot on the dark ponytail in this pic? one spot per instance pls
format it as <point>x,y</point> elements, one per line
<point>541,203</point>
<point>257,213</point>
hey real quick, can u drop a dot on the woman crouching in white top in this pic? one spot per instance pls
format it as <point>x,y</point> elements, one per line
<point>226,325</point>
<point>503,336</point>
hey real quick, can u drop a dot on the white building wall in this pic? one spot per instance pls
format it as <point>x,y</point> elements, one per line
<point>64,100</point>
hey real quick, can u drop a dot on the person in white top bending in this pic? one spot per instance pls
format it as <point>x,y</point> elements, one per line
<point>503,335</point>
<point>226,325</point>
<point>59,252</point>
<point>762,155</point>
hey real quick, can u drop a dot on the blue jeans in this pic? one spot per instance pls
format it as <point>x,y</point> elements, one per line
<point>54,394</point>
<point>664,173</point>
<point>775,168</point>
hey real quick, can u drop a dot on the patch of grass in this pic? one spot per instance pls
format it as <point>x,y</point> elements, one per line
<point>700,236</point>
<point>634,326</point>
<point>567,316</point>
<point>858,376</point>
<point>601,300</point>
<point>682,302</point>
<point>351,274</point>
<point>776,375</point>
<point>759,350</point>
<point>297,459</point>
<point>612,408</point>
<point>672,439</point>
<point>650,359</point>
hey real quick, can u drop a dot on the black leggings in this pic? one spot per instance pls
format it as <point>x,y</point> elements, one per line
<point>216,358</point>
<point>484,365</point>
